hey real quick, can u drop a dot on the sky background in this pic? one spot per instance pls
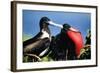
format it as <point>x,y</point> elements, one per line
<point>31,18</point>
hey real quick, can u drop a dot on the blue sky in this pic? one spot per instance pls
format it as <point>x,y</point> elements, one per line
<point>31,18</point>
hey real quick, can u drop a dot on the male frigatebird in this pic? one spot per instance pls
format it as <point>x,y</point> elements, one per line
<point>76,37</point>
<point>67,44</point>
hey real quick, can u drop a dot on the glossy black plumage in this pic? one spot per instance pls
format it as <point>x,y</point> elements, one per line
<point>62,47</point>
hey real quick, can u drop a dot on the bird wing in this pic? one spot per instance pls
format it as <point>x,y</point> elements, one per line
<point>36,46</point>
<point>31,40</point>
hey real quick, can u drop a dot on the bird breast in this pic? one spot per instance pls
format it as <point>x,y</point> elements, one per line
<point>45,35</point>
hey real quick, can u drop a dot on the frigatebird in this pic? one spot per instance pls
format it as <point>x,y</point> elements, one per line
<point>67,44</point>
<point>38,45</point>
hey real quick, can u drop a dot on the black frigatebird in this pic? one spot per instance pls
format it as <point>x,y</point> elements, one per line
<point>67,44</point>
<point>76,39</point>
<point>38,45</point>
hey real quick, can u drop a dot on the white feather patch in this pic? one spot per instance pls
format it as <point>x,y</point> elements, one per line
<point>43,52</point>
<point>45,34</point>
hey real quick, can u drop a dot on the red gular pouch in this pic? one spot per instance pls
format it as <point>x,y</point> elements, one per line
<point>76,37</point>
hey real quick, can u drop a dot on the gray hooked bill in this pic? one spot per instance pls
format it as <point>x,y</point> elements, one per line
<point>55,24</point>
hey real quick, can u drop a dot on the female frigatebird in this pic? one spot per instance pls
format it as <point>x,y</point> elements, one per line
<point>38,45</point>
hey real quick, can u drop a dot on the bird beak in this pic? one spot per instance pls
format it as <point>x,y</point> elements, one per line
<point>61,26</point>
<point>55,24</point>
<point>73,29</point>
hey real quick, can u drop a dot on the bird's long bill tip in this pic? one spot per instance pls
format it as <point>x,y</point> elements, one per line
<point>73,29</point>
<point>55,24</point>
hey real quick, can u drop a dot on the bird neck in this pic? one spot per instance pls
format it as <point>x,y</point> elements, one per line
<point>46,29</point>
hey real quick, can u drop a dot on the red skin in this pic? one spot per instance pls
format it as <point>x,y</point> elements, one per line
<point>77,39</point>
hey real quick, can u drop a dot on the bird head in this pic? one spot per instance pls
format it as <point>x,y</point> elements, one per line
<point>44,22</point>
<point>66,27</point>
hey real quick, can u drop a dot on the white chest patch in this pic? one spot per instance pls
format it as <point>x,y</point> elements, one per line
<point>45,34</point>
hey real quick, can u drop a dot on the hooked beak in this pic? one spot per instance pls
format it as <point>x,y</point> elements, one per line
<point>73,29</point>
<point>55,24</point>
